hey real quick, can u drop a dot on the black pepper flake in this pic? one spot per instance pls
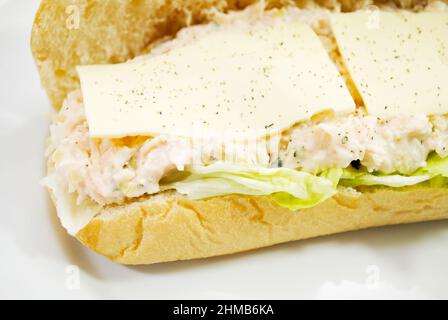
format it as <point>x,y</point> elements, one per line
<point>356,164</point>
<point>279,163</point>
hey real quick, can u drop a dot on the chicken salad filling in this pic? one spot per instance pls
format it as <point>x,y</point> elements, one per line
<point>300,168</point>
<point>113,170</point>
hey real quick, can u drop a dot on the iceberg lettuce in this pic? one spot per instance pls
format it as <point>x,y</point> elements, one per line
<point>289,188</point>
<point>354,178</point>
<point>435,172</point>
<point>435,166</point>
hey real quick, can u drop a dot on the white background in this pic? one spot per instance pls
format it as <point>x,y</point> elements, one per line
<point>37,257</point>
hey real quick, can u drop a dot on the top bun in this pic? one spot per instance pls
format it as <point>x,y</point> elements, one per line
<point>68,33</point>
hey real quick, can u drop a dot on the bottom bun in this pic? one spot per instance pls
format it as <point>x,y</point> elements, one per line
<point>168,226</point>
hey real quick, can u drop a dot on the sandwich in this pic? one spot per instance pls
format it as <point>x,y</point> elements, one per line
<point>195,128</point>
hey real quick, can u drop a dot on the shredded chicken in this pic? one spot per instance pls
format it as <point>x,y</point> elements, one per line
<point>395,145</point>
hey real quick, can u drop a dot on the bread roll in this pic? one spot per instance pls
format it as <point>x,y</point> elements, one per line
<point>168,226</point>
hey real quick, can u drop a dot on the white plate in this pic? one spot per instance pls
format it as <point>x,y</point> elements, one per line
<point>39,260</point>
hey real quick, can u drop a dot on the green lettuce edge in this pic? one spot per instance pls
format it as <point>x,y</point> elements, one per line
<point>295,189</point>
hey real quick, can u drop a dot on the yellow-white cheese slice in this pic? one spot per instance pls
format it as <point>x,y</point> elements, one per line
<point>398,60</point>
<point>262,80</point>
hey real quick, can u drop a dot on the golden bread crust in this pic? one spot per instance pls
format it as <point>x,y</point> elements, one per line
<point>168,226</point>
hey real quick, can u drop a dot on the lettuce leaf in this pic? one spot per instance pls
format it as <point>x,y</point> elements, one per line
<point>435,172</point>
<point>289,188</point>
<point>353,178</point>
<point>293,203</point>
<point>435,166</point>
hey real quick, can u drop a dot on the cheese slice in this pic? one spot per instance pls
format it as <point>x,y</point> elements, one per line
<point>264,80</point>
<point>398,62</point>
